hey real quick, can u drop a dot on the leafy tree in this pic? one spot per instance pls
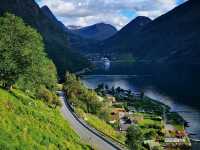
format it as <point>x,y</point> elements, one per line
<point>100,86</point>
<point>134,138</point>
<point>79,95</point>
<point>22,55</point>
<point>113,90</point>
<point>142,95</point>
<point>42,73</point>
<point>125,105</point>
<point>118,89</point>
<point>129,92</point>
<point>15,48</point>
<point>151,134</point>
<point>106,87</point>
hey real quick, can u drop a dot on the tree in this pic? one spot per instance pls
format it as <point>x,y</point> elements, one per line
<point>106,87</point>
<point>113,90</point>
<point>142,95</point>
<point>118,90</point>
<point>22,55</point>
<point>134,138</point>
<point>101,86</point>
<point>151,134</point>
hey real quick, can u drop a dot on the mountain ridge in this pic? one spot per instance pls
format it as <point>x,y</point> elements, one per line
<point>126,32</point>
<point>99,31</point>
<point>55,38</point>
<point>174,31</point>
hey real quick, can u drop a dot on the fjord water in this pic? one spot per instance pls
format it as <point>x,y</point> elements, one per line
<point>136,78</point>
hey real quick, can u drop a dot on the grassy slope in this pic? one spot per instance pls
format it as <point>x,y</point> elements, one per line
<point>105,128</point>
<point>29,124</point>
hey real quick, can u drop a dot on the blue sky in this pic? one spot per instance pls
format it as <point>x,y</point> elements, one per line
<point>115,12</point>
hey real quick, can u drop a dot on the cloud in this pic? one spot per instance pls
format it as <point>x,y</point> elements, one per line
<point>115,12</point>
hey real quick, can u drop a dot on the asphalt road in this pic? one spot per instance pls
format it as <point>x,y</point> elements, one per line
<point>85,133</point>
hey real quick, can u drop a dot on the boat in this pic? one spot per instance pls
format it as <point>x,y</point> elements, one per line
<point>105,60</point>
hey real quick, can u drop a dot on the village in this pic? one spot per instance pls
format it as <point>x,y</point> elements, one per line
<point>161,127</point>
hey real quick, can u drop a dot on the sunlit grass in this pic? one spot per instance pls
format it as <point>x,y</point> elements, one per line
<point>105,128</point>
<point>26,123</point>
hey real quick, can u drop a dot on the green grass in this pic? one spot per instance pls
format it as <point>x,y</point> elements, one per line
<point>28,124</point>
<point>179,127</point>
<point>105,128</point>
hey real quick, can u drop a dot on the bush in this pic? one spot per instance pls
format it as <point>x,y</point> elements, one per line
<point>50,98</point>
<point>80,112</point>
<point>56,101</point>
<point>134,138</point>
<point>45,95</point>
<point>80,96</point>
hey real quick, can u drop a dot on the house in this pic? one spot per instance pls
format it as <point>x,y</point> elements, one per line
<point>151,144</point>
<point>116,114</point>
<point>131,109</point>
<point>111,98</point>
<point>174,140</point>
<point>180,134</point>
<point>124,123</point>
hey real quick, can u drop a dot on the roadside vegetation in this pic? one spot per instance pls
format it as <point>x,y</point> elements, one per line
<point>24,62</point>
<point>29,107</point>
<point>94,109</point>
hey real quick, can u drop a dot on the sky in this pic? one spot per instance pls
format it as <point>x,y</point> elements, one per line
<point>115,12</point>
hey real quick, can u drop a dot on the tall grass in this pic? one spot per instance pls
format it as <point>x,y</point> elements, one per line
<point>28,124</point>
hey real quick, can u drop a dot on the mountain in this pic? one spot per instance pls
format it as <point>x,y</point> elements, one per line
<point>171,44</point>
<point>55,38</point>
<point>170,37</point>
<point>50,15</point>
<point>73,27</point>
<point>98,32</point>
<point>122,38</point>
<point>75,41</point>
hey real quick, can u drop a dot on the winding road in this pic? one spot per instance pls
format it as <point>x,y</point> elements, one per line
<point>86,133</point>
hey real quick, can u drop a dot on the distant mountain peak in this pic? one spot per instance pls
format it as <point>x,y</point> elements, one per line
<point>130,29</point>
<point>142,18</point>
<point>140,21</point>
<point>99,31</point>
<point>48,13</point>
<point>73,27</point>
<point>45,9</point>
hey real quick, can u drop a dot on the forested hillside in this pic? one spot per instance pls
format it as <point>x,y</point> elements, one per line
<point>55,39</point>
<point>29,107</point>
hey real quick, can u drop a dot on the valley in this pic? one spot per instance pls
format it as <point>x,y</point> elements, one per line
<point>99,75</point>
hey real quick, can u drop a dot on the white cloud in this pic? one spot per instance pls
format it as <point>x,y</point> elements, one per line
<point>87,12</point>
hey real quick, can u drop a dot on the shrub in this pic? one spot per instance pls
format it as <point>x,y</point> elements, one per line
<point>56,101</point>
<point>134,138</point>
<point>45,95</point>
<point>80,112</point>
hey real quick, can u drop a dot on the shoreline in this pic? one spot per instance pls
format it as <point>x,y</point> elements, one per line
<point>186,125</point>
